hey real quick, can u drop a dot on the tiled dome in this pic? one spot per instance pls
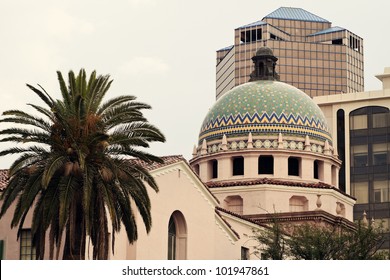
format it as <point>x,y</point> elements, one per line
<point>264,108</point>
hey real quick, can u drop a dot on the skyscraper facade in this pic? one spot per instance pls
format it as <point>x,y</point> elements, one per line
<point>360,125</point>
<point>314,56</point>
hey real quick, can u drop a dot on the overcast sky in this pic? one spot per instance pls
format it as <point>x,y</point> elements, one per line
<point>162,51</point>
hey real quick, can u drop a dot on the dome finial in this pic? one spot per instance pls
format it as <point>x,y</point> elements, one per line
<point>265,63</point>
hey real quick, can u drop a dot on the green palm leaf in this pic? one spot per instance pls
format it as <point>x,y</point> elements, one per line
<point>74,170</point>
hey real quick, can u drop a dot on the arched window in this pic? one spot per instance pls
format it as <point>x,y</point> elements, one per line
<point>171,239</point>
<point>177,237</point>
<point>266,165</point>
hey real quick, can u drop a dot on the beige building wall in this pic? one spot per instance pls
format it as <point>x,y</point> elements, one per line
<point>11,250</point>
<point>268,198</point>
<point>207,235</point>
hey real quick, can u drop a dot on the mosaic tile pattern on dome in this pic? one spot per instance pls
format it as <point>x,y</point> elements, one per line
<point>265,107</point>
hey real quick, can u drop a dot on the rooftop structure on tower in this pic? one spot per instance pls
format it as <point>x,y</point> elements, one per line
<point>314,56</point>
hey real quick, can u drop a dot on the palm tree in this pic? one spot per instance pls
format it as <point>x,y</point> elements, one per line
<point>75,173</point>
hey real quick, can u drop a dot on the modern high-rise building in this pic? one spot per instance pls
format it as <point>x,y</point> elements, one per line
<point>360,126</point>
<point>314,56</point>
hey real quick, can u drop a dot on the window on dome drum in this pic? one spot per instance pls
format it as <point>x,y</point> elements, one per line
<point>318,170</point>
<point>196,169</point>
<point>244,253</point>
<point>27,250</point>
<point>177,237</point>
<point>316,176</point>
<point>214,173</point>
<point>238,166</point>
<point>294,166</point>
<point>266,165</point>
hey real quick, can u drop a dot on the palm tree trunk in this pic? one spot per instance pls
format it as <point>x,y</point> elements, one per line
<point>74,248</point>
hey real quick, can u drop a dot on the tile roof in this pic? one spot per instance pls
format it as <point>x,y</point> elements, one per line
<point>329,30</point>
<point>217,211</point>
<point>290,13</point>
<point>271,181</point>
<point>3,178</point>
<point>314,215</point>
<point>155,165</point>
<point>148,166</point>
<point>256,23</point>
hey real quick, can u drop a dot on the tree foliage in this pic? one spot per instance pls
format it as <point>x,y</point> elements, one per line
<point>73,170</point>
<point>272,242</point>
<point>311,241</point>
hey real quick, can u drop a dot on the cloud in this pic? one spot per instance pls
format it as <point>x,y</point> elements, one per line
<point>141,65</point>
<point>138,3</point>
<point>61,24</point>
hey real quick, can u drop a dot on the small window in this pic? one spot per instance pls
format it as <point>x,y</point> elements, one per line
<point>381,191</point>
<point>259,34</point>
<point>360,192</point>
<point>316,167</point>
<point>238,166</point>
<point>1,249</point>
<point>196,169</point>
<point>293,166</point>
<point>380,158</point>
<point>27,250</point>
<point>244,253</point>
<point>251,35</point>
<point>266,165</point>
<point>337,41</point>
<point>379,120</point>
<point>214,174</point>
<point>359,122</point>
<point>360,160</point>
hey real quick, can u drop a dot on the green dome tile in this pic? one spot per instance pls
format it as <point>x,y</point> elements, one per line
<point>264,108</point>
